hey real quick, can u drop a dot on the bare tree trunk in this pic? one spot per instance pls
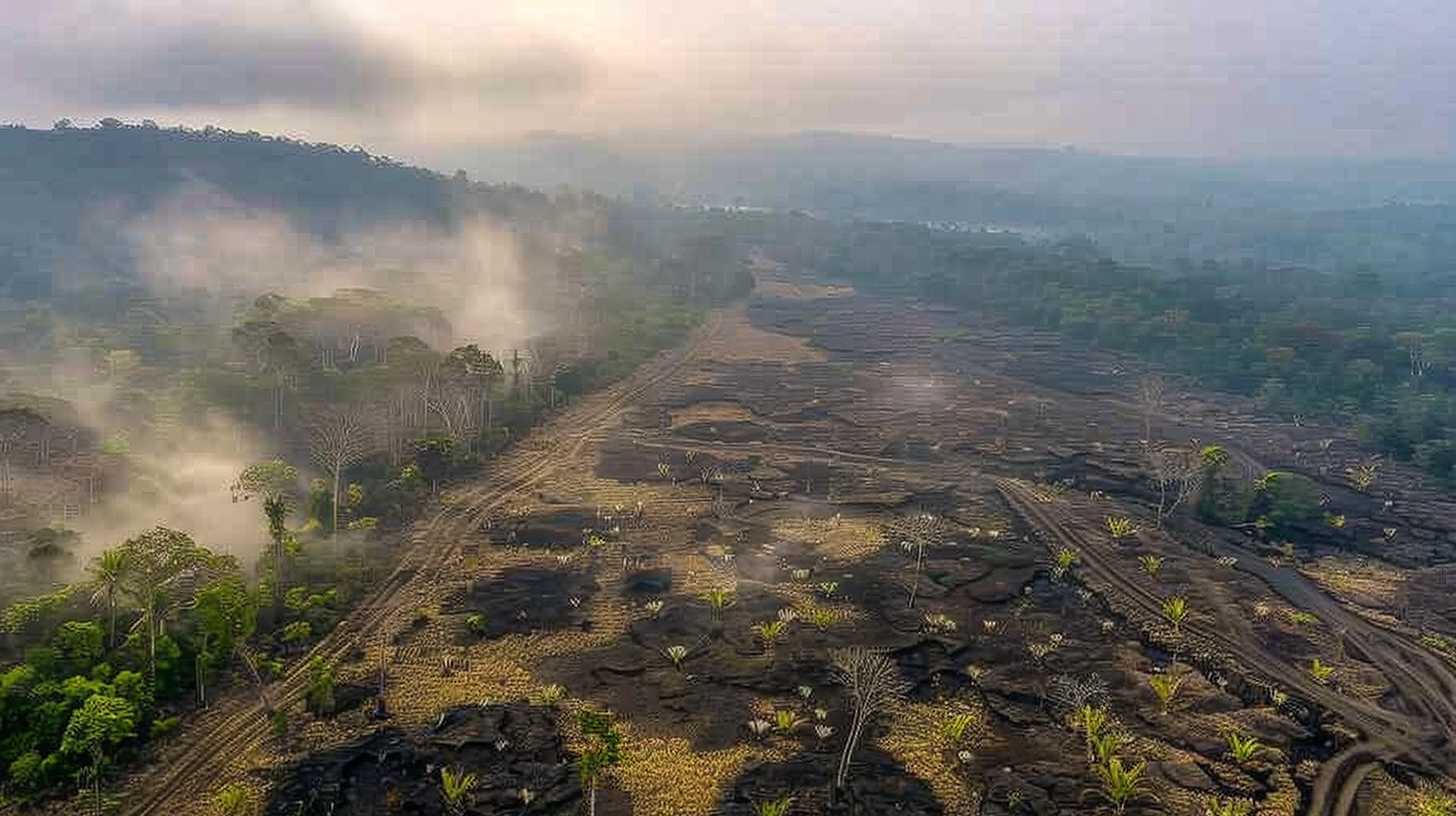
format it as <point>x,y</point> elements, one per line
<point>844,759</point>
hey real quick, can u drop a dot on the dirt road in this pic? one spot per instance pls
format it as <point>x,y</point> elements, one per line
<point>1422,735</point>
<point>237,725</point>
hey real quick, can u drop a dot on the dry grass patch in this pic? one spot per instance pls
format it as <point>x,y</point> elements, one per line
<point>838,538</point>
<point>918,739</point>
<point>1361,581</point>
<point>666,777</point>
<point>710,412</point>
<point>738,340</point>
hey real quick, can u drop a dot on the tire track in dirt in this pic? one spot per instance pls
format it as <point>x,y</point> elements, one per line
<point>1394,736</point>
<point>240,724</point>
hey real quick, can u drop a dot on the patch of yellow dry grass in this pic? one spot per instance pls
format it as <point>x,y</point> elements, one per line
<point>1361,581</point>
<point>710,412</point>
<point>666,777</point>
<point>916,741</point>
<point>837,538</point>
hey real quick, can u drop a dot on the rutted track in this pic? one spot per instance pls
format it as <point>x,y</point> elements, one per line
<point>236,726</point>
<point>1423,681</point>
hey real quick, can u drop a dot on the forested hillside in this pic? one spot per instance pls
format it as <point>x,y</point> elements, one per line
<point>233,368</point>
<point>1331,214</point>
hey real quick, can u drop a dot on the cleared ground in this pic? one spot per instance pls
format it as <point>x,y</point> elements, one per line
<point>797,455</point>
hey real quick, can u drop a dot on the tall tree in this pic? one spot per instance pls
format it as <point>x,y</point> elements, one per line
<point>603,751</point>
<point>163,568</point>
<point>1152,392</point>
<point>278,357</point>
<point>17,428</point>
<point>475,372</point>
<point>227,614</point>
<point>274,484</point>
<point>107,571</point>
<point>97,726</point>
<point>339,438</point>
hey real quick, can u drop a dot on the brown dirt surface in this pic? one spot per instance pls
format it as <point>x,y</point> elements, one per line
<point>823,469</point>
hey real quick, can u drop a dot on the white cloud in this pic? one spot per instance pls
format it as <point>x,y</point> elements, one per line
<point>1183,76</point>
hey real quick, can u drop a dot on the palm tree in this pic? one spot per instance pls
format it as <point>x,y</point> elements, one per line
<point>107,573</point>
<point>455,788</point>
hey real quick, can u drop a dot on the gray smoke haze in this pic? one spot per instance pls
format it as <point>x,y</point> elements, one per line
<point>179,479</point>
<point>199,239</point>
<point>183,482</point>
<point>1209,77</point>
<point>200,243</point>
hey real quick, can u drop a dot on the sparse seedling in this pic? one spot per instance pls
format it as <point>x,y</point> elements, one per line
<point>774,807</point>
<point>1120,527</point>
<point>1220,806</point>
<point>676,654</point>
<point>1165,686</point>
<point>770,633</point>
<point>456,788</point>
<point>1090,720</point>
<point>1321,671</point>
<point>1175,609</point>
<point>1299,617</point>
<point>1108,744</point>
<point>1151,564</point>
<point>233,799</point>
<point>1243,747</point>
<point>550,695</point>
<point>1362,476</point>
<point>1431,800</point>
<point>955,727</point>
<point>1066,557</point>
<point>718,600</point>
<point>787,721</point>
<point>475,622</point>
<point>938,623</point>
<point>1121,784</point>
<point>759,727</point>
<point>821,617</point>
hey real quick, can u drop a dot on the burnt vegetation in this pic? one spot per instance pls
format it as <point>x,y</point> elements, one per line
<point>764,514</point>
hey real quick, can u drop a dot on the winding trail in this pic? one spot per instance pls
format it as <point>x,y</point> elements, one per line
<point>236,726</point>
<point>1422,735</point>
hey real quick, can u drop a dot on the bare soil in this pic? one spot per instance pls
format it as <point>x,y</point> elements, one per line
<point>802,456</point>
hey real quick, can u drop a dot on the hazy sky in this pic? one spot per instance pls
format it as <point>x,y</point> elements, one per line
<point>1212,77</point>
